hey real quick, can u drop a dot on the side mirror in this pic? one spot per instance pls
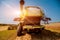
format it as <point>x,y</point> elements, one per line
<point>16,19</point>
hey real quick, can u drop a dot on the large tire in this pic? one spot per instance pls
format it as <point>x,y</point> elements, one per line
<point>19,30</point>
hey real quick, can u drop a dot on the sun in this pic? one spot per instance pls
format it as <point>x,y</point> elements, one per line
<point>20,13</point>
<point>17,13</point>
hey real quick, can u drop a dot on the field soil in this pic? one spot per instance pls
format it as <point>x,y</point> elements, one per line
<point>44,35</point>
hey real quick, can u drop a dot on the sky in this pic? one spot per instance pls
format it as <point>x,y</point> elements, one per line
<point>9,9</point>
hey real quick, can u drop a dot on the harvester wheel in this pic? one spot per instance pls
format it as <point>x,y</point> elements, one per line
<point>20,29</point>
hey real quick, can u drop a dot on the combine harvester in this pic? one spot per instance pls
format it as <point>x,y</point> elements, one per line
<point>30,19</point>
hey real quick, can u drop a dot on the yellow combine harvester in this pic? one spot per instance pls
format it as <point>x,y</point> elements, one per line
<point>30,19</point>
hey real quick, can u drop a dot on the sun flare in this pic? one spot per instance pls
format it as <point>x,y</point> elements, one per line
<point>18,13</point>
